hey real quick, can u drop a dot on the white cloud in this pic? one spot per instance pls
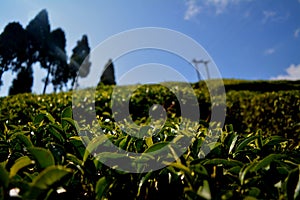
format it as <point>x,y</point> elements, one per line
<point>269,51</point>
<point>297,31</point>
<point>192,9</point>
<point>293,73</point>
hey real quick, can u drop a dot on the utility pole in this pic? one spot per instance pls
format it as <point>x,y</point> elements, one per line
<point>205,62</point>
<point>196,62</point>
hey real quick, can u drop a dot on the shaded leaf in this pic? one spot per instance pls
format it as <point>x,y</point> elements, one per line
<point>4,180</point>
<point>245,142</point>
<point>45,180</point>
<point>267,161</point>
<point>23,139</point>
<point>292,186</point>
<point>43,156</point>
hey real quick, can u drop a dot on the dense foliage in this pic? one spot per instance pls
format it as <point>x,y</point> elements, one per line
<point>256,155</point>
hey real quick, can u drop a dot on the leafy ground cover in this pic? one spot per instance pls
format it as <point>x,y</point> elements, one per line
<point>44,155</point>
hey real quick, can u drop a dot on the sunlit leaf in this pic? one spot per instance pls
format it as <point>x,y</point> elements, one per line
<point>101,186</point>
<point>48,116</point>
<point>232,145</point>
<point>95,143</point>
<point>204,191</point>
<point>19,164</point>
<point>156,147</point>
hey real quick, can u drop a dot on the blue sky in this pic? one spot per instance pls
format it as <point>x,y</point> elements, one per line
<point>246,39</point>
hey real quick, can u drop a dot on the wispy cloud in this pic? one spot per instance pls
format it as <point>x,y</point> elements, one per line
<point>292,73</point>
<point>272,16</point>
<point>268,15</point>
<point>297,32</point>
<point>269,51</point>
<point>220,5</point>
<point>192,9</point>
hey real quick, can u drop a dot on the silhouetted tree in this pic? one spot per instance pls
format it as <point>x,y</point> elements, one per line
<point>56,60</point>
<point>49,47</point>
<point>23,82</point>
<point>108,75</point>
<point>13,48</point>
<point>79,62</point>
<point>60,70</point>
<point>38,31</point>
<point>21,48</point>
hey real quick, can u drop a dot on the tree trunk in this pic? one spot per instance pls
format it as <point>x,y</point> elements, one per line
<point>47,79</point>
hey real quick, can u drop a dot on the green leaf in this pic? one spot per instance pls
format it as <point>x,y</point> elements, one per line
<point>38,120</point>
<point>48,116</point>
<point>244,171</point>
<point>96,142</point>
<point>274,140</point>
<point>124,142</point>
<point>4,180</point>
<point>292,186</point>
<point>23,139</point>
<point>204,191</point>
<point>232,144</point>
<point>254,191</point>
<point>199,168</point>
<point>70,121</point>
<point>104,156</point>
<point>156,147</point>
<point>57,132</point>
<point>43,156</point>
<point>149,141</point>
<point>74,159</point>
<point>144,180</point>
<point>181,167</point>
<point>45,180</point>
<point>266,161</point>
<point>67,112</point>
<point>234,170</point>
<point>101,187</point>
<point>245,142</point>
<point>78,145</point>
<point>19,164</point>
<point>225,162</point>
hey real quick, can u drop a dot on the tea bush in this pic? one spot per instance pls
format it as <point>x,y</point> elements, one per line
<point>44,154</point>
